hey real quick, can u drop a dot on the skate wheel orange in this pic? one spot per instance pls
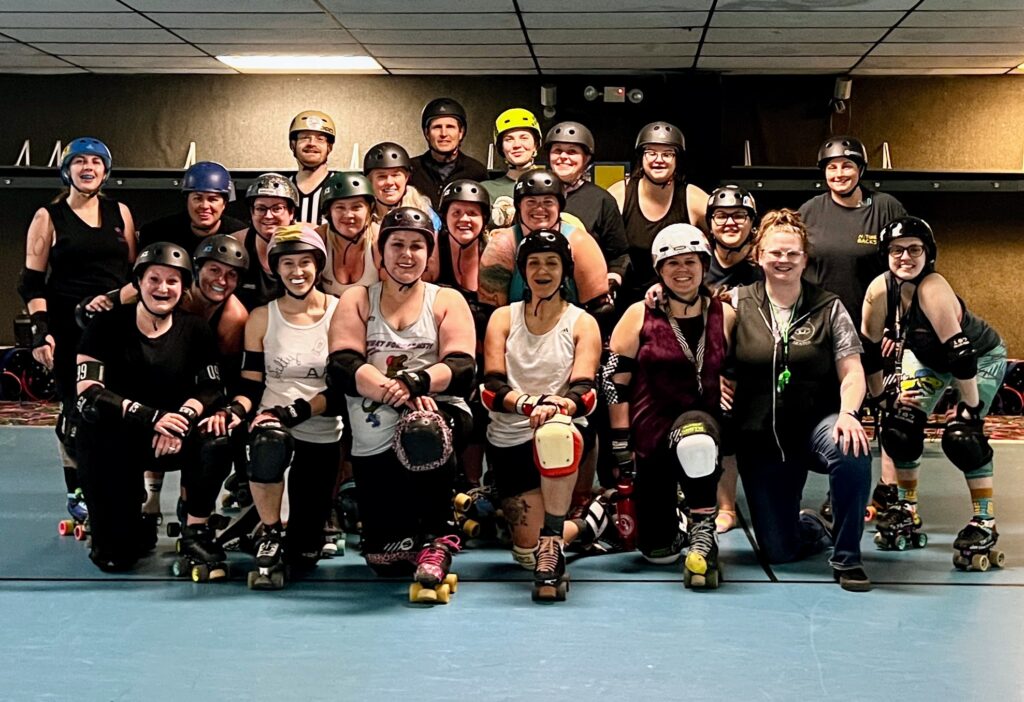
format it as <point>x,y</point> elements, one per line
<point>65,526</point>
<point>80,532</point>
<point>870,513</point>
<point>471,527</point>
<point>452,581</point>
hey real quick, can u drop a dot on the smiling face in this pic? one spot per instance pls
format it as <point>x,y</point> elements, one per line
<point>297,272</point>
<point>539,212</point>
<point>405,256</point>
<point>907,257</point>
<point>683,274</point>
<point>465,220</point>
<point>841,175</point>
<point>782,255</point>
<point>519,146</point>
<point>205,209</point>
<point>544,273</point>
<point>311,149</point>
<point>217,281</point>
<point>87,172</point>
<point>731,225</point>
<point>568,161</point>
<point>444,134</point>
<point>270,213</point>
<point>349,215</point>
<point>389,184</point>
<point>160,289</point>
<point>659,162</point>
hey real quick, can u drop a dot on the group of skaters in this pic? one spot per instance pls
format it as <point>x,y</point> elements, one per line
<point>405,326</point>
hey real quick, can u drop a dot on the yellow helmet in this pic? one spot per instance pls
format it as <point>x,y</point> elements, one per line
<point>312,121</point>
<point>515,118</point>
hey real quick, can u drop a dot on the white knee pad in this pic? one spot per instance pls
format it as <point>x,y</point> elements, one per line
<point>525,557</point>
<point>698,455</point>
<point>557,447</point>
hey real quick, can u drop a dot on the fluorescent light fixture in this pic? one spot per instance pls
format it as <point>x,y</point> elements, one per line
<point>301,64</point>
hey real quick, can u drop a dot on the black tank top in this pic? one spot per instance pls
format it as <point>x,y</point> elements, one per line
<point>255,287</point>
<point>640,231</point>
<point>481,312</point>
<point>86,260</point>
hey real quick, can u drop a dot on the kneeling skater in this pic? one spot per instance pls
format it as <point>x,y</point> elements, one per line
<point>402,355</point>
<point>662,384</point>
<point>541,356</point>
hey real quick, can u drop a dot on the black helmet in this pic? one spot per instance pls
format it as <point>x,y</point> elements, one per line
<point>904,228</point>
<point>465,191</point>
<point>442,107</point>
<point>273,185</point>
<point>663,134</point>
<point>344,185</point>
<point>544,241</point>
<point>223,249</point>
<point>386,154</point>
<point>570,133</point>
<point>843,147</point>
<point>406,219</point>
<point>539,181</point>
<point>731,196</point>
<point>163,253</point>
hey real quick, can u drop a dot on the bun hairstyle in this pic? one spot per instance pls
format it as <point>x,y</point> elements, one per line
<point>785,219</point>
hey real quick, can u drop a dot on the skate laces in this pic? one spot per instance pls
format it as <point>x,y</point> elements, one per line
<point>548,552</point>
<point>702,536</point>
<point>435,553</point>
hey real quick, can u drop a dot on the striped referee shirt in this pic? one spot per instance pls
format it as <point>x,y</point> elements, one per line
<point>309,205</point>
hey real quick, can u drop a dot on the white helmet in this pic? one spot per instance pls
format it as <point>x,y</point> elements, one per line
<point>678,239</point>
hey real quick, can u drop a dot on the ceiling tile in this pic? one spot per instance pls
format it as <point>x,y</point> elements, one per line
<point>236,21</point>
<point>431,6</point>
<point>816,5</point>
<point>891,48</point>
<point>283,49</point>
<point>180,49</point>
<point>146,62</point>
<point>243,7</point>
<point>958,34</point>
<point>481,64</point>
<point>16,49</point>
<point>966,18</point>
<point>615,62</point>
<point>975,4</point>
<point>495,20</point>
<point>623,7</point>
<point>804,19</point>
<point>790,62</point>
<point>61,6</point>
<point>101,20</point>
<point>614,36</point>
<point>104,36</point>
<point>453,50</point>
<point>595,71</point>
<point>764,35</point>
<point>24,70</point>
<point>612,20</point>
<point>441,36</point>
<point>225,69</point>
<point>784,49</point>
<point>684,50</point>
<point>37,60</point>
<point>267,35</point>
<point>929,71</point>
<point>1003,62</point>
<point>490,72</point>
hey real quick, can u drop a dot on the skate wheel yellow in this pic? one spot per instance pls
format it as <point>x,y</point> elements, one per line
<point>463,502</point>
<point>200,573</point>
<point>65,526</point>
<point>442,593</point>
<point>452,581</point>
<point>471,528</point>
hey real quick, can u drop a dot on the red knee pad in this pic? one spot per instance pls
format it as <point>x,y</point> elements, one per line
<point>557,447</point>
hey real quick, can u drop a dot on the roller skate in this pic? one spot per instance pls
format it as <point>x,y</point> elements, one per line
<point>334,537</point>
<point>239,497</point>
<point>702,569</point>
<point>592,520</point>
<point>882,498</point>
<point>434,583</point>
<point>347,506</point>
<point>550,581</point>
<point>79,522</point>
<point>974,546</point>
<point>899,527</point>
<point>199,555</point>
<point>270,568</point>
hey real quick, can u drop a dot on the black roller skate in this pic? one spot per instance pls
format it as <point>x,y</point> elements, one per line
<point>79,522</point>
<point>592,521</point>
<point>347,506</point>
<point>199,555</point>
<point>974,546</point>
<point>550,581</point>
<point>239,496</point>
<point>434,581</point>
<point>701,567</point>
<point>270,568</point>
<point>899,527</point>
<point>882,498</point>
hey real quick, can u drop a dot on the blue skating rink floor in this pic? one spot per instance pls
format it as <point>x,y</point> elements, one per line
<point>628,630</point>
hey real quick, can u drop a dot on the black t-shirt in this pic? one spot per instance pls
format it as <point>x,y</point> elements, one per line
<point>600,215</point>
<point>844,244</point>
<point>742,273</point>
<point>161,372</point>
<point>177,229</point>
<point>429,177</point>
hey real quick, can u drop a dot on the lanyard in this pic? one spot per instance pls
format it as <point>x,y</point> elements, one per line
<point>784,329</point>
<point>697,359</point>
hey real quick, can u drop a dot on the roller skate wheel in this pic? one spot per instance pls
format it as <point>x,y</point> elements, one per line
<point>452,581</point>
<point>65,526</point>
<point>920,540</point>
<point>463,502</point>
<point>997,558</point>
<point>979,561</point>
<point>178,568</point>
<point>960,562</point>
<point>471,528</point>
<point>870,513</point>
<point>250,579</point>
<point>219,572</point>
<point>711,580</point>
<point>200,573</point>
<point>80,532</point>
<point>173,529</point>
<point>901,543</point>
<point>418,593</point>
<point>443,593</point>
<point>879,540</point>
<point>277,579</point>
<point>329,550</point>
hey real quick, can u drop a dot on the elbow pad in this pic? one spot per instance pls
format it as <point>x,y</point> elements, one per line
<point>32,284</point>
<point>616,393</point>
<point>463,369</point>
<point>341,370</point>
<point>872,357</point>
<point>252,390</point>
<point>493,391</point>
<point>583,394</point>
<point>97,404</point>
<point>961,356</point>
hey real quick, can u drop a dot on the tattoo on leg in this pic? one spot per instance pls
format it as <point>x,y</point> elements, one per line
<point>515,509</point>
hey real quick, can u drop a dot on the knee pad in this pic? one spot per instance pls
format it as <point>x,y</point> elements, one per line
<point>215,454</point>
<point>270,452</point>
<point>422,441</point>
<point>966,447</point>
<point>525,557</point>
<point>67,427</point>
<point>557,447</point>
<point>694,439</point>
<point>903,434</point>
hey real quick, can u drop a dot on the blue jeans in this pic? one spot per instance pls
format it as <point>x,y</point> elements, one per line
<point>774,487</point>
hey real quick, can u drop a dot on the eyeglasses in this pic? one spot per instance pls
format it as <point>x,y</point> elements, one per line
<point>720,217</point>
<point>652,155</point>
<point>312,138</point>
<point>275,211</point>
<point>897,251</point>
<point>777,255</point>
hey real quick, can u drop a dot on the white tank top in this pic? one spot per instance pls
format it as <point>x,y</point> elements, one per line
<point>296,358</point>
<point>369,276</point>
<point>537,365</point>
<point>389,350</point>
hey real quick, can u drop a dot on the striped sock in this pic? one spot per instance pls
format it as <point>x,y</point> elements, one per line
<point>907,490</point>
<point>982,502</point>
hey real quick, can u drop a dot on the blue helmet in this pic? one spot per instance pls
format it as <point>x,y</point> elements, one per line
<point>208,177</point>
<point>84,146</point>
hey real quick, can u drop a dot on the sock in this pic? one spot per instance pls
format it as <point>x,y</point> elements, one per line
<point>71,479</point>
<point>908,490</point>
<point>553,524</point>
<point>153,488</point>
<point>982,502</point>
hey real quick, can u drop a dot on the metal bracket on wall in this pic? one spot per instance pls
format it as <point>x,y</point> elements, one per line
<point>190,157</point>
<point>886,157</point>
<point>354,164</point>
<point>746,153</point>
<point>23,155</point>
<point>55,155</point>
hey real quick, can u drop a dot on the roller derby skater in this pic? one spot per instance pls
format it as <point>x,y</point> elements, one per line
<point>898,527</point>
<point>541,355</point>
<point>939,343</point>
<point>433,581</point>
<point>663,375</point>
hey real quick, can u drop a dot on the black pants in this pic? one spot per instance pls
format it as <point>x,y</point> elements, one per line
<point>310,483</point>
<point>655,495</point>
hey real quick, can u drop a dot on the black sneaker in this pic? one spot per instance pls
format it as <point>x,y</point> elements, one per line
<point>852,579</point>
<point>824,522</point>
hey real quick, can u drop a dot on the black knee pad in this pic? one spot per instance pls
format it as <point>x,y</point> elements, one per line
<point>67,427</point>
<point>423,440</point>
<point>903,434</point>
<point>270,452</point>
<point>215,455</point>
<point>966,446</point>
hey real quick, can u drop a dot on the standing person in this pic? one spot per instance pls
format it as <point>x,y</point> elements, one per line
<point>843,225</point>
<point>347,203</point>
<point>939,343</point>
<point>146,373</point>
<point>402,355</point>
<point>292,423</point>
<point>541,357</point>
<point>655,196</point>
<point>443,122</point>
<point>273,203</point>
<point>208,189</point>
<point>517,139</point>
<point>80,246</point>
<point>570,147</point>
<point>799,385</point>
<point>311,138</point>
<point>662,381</point>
